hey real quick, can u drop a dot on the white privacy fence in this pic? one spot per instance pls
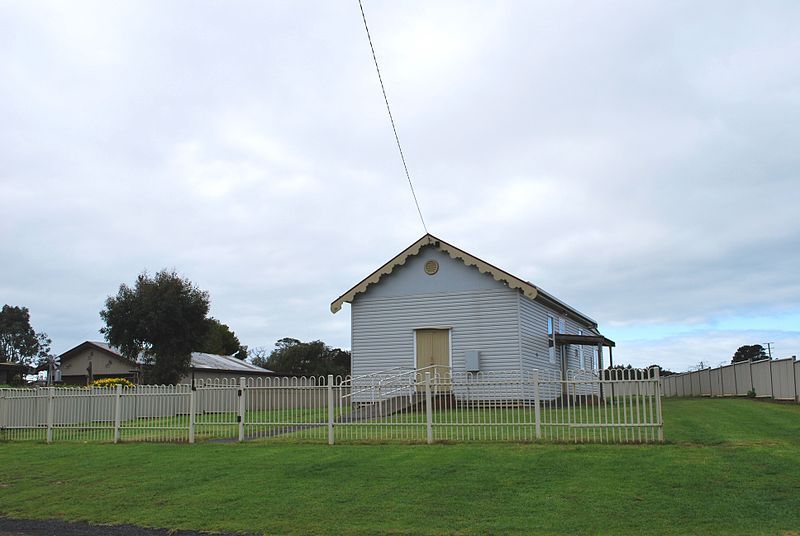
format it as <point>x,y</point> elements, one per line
<point>424,405</point>
<point>769,378</point>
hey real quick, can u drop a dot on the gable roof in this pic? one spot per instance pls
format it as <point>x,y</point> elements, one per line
<point>199,360</point>
<point>96,345</point>
<point>526,287</point>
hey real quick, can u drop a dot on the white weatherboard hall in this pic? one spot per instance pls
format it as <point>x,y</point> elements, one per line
<point>437,305</point>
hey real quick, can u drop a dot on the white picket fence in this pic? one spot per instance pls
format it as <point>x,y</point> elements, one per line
<point>768,378</point>
<point>412,406</point>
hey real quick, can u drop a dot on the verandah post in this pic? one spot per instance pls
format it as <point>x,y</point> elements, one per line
<point>330,410</point>
<point>537,411</point>
<point>117,412</point>
<point>51,392</point>
<point>428,407</point>
<point>242,407</point>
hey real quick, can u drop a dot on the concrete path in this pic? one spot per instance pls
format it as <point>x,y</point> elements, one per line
<point>50,527</point>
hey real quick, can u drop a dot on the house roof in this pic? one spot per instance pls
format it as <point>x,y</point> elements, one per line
<point>526,287</point>
<point>95,345</point>
<point>199,361</point>
<point>6,365</point>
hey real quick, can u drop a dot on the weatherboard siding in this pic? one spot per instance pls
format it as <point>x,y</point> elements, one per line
<point>533,336</point>
<point>484,314</point>
<point>534,347</point>
<point>483,320</point>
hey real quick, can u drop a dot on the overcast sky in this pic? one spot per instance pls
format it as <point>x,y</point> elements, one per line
<point>639,160</point>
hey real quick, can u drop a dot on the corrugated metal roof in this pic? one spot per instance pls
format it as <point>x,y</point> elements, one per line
<point>223,362</point>
<point>203,361</point>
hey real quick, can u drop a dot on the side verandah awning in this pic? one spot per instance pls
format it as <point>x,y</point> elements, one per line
<point>585,340</point>
<point>598,341</point>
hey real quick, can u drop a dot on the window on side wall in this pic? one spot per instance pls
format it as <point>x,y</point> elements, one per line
<point>551,341</point>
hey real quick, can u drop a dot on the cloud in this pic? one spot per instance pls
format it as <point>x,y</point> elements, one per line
<point>712,347</point>
<point>638,161</point>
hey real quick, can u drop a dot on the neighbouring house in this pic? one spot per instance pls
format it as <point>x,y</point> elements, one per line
<point>435,305</point>
<point>12,372</point>
<point>95,360</point>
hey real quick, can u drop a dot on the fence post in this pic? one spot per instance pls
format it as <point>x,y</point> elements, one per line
<point>117,412</point>
<point>659,420</point>
<point>428,407</point>
<point>242,408</point>
<point>192,411</point>
<point>537,411</point>
<point>4,413</point>
<point>330,410</point>
<point>50,398</point>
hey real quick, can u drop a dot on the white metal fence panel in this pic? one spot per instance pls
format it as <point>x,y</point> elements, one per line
<point>23,414</point>
<point>424,405</point>
<point>290,408</point>
<point>81,414</point>
<point>154,413</point>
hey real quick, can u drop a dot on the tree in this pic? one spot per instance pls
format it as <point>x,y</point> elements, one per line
<point>258,356</point>
<point>19,342</point>
<point>749,353</point>
<point>295,358</point>
<point>159,319</point>
<point>221,340</point>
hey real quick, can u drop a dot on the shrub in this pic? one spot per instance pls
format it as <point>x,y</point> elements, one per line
<point>111,382</point>
<point>751,393</point>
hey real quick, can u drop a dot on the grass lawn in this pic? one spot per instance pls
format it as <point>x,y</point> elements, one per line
<point>730,467</point>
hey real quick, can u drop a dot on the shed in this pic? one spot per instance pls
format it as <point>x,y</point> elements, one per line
<point>437,306</point>
<point>93,360</point>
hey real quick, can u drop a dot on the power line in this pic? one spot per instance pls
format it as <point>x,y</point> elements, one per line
<point>391,119</point>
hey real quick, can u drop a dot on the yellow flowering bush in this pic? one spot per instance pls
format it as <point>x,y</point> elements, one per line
<point>111,382</point>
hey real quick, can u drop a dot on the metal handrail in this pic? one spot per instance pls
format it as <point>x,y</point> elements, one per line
<point>350,380</point>
<point>392,379</point>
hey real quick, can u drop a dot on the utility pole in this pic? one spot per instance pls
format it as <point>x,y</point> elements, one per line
<point>769,348</point>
